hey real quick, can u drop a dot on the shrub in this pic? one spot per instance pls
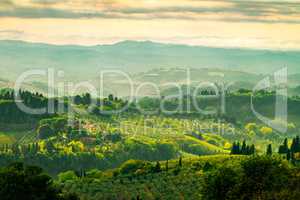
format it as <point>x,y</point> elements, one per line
<point>67,176</point>
<point>131,166</point>
<point>45,131</point>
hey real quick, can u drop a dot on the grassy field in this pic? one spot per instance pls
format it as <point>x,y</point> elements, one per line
<point>10,137</point>
<point>6,139</point>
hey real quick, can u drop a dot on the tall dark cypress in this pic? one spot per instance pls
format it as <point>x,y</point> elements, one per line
<point>167,165</point>
<point>244,148</point>
<point>297,146</point>
<point>269,150</point>
<point>252,149</point>
<point>293,146</point>
<point>180,162</point>
<point>288,155</point>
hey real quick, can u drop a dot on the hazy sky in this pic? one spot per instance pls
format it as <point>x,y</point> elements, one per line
<point>230,23</point>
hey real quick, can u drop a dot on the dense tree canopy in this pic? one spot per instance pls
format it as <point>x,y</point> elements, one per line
<point>29,183</point>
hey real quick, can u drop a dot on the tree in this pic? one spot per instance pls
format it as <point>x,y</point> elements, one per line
<point>284,149</point>
<point>285,145</point>
<point>238,148</point>
<point>111,97</point>
<point>180,162</point>
<point>235,150</point>
<point>167,165</point>
<point>252,149</point>
<point>244,148</point>
<point>295,147</point>
<point>157,167</point>
<point>77,100</point>
<point>288,155</point>
<point>87,99</point>
<point>269,150</point>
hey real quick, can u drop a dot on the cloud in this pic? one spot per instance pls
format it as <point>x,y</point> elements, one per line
<point>229,10</point>
<point>47,2</point>
<point>11,31</point>
<point>12,34</point>
<point>5,3</point>
<point>30,12</point>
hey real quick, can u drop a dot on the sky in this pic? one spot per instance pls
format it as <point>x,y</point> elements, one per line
<point>262,24</point>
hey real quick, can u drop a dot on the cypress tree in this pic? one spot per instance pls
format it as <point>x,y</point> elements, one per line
<point>288,155</point>
<point>248,150</point>
<point>157,167</point>
<point>167,165</point>
<point>111,97</point>
<point>77,99</point>
<point>252,149</point>
<point>235,150</point>
<point>284,149</point>
<point>285,145</point>
<point>269,150</point>
<point>238,148</point>
<point>244,148</point>
<point>180,162</point>
<point>293,146</point>
<point>297,146</point>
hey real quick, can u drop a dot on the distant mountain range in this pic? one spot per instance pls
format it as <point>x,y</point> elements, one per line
<point>145,62</point>
<point>81,62</point>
